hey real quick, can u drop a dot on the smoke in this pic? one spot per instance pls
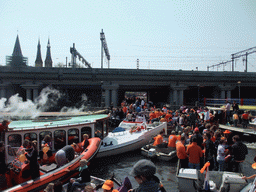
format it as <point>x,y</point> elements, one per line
<point>16,108</point>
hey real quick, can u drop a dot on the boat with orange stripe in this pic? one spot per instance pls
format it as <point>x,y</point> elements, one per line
<point>16,170</point>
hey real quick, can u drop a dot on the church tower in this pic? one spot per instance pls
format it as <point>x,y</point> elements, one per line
<point>48,59</point>
<point>17,59</point>
<point>39,61</point>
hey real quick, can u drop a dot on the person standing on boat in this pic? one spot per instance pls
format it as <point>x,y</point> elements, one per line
<point>31,155</point>
<point>46,142</point>
<point>181,152</point>
<point>144,173</point>
<point>195,154</point>
<point>198,136</point>
<point>2,159</point>
<point>83,179</point>
<point>3,129</point>
<point>209,149</point>
<point>85,142</point>
<point>221,154</point>
<point>238,152</point>
<point>227,111</point>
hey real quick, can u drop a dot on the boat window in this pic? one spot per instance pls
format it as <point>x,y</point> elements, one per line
<point>59,139</point>
<point>99,128</point>
<point>73,136</point>
<point>42,136</point>
<point>30,136</point>
<point>86,130</point>
<point>14,143</point>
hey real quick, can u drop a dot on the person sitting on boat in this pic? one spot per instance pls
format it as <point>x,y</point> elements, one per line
<point>64,155</point>
<point>83,179</point>
<point>85,142</point>
<point>194,153</point>
<point>181,152</point>
<point>144,173</point>
<point>159,140</point>
<point>31,155</point>
<point>172,140</point>
<point>46,142</point>
<point>108,186</point>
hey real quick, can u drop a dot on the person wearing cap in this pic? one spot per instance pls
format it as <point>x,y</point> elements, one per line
<point>198,136</point>
<point>144,173</point>
<point>108,186</point>
<point>83,179</point>
<point>194,153</point>
<point>159,140</point>
<point>228,135</point>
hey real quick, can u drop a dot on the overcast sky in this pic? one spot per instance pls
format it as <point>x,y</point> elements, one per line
<point>172,35</point>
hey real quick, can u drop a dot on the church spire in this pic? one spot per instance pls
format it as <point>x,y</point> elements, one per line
<point>17,49</point>
<point>39,61</point>
<point>48,59</point>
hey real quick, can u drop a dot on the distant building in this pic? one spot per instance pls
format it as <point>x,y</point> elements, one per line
<point>39,61</point>
<point>17,59</point>
<point>48,59</point>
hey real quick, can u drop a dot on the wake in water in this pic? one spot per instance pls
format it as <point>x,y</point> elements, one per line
<point>16,108</point>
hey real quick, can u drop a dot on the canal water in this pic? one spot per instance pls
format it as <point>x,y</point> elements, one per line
<point>121,165</point>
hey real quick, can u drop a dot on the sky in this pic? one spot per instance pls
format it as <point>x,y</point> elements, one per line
<point>162,34</point>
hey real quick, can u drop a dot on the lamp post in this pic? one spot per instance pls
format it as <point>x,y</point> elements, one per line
<point>239,82</point>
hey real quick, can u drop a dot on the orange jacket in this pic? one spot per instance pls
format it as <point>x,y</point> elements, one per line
<point>178,138</point>
<point>152,115</point>
<point>158,140</point>
<point>181,150</point>
<point>172,141</point>
<point>167,116</point>
<point>194,152</point>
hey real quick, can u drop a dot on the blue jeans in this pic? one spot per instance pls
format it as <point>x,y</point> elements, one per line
<point>221,165</point>
<point>194,165</point>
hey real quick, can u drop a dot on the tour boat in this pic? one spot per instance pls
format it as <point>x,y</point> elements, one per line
<point>129,136</point>
<point>69,128</point>
<point>18,172</point>
<point>165,154</point>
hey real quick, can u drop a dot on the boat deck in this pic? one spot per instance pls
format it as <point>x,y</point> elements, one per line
<point>251,130</point>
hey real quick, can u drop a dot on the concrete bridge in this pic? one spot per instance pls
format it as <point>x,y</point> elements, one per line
<point>175,87</point>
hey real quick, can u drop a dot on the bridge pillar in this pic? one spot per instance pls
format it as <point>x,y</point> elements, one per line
<point>226,91</point>
<point>3,91</point>
<point>111,93</point>
<point>178,94</point>
<point>32,90</point>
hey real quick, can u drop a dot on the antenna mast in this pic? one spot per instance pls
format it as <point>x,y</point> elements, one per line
<point>105,47</point>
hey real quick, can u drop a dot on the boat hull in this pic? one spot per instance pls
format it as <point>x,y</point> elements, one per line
<point>63,173</point>
<point>124,141</point>
<point>153,152</point>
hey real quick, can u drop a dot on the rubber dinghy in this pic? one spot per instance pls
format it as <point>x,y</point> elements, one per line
<point>17,170</point>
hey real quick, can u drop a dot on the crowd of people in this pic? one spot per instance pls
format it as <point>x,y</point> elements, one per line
<point>194,133</point>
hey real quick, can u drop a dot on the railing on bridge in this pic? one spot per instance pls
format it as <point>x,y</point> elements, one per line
<point>221,102</point>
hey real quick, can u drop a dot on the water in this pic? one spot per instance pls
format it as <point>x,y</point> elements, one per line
<point>121,165</point>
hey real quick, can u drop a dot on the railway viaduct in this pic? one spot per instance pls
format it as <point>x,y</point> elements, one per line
<point>108,86</point>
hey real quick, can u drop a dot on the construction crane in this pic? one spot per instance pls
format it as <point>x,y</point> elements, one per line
<point>105,47</point>
<point>74,54</point>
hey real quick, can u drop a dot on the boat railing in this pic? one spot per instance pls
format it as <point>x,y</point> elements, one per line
<point>48,126</point>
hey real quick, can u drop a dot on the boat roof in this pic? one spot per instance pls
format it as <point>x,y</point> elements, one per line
<point>27,124</point>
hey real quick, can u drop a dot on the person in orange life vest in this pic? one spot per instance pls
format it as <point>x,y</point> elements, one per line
<point>158,113</point>
<point>125,109</point>
<point>152,116</point>
<point>235,118</point>
<point>181,152</point>
<point>194,153</point>
<point>108,186</point>
<point>168,116</point>
<point>159,141</point>
<point>162,119</point>
<point>172,140</point>
<point>245,119</point>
